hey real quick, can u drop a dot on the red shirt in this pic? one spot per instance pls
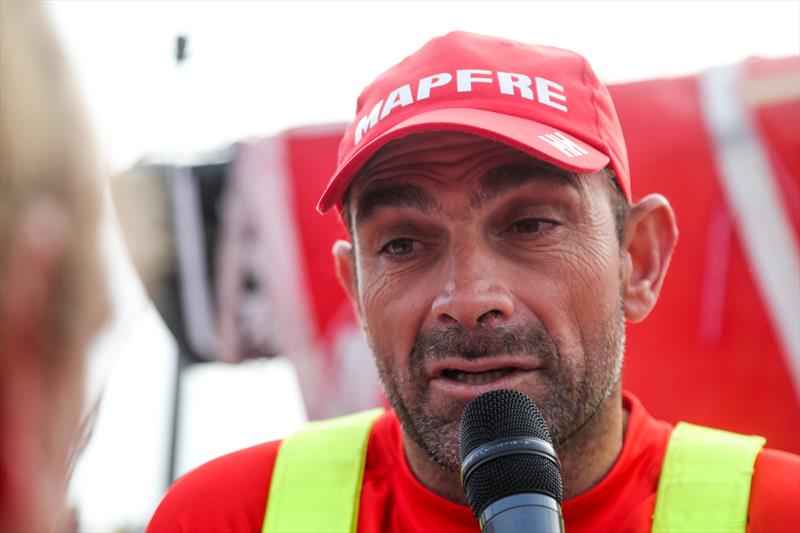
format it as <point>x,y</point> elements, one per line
<point>230,493</point>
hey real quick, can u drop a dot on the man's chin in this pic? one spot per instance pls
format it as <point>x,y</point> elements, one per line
<point>436,433</point>
<point>443,447</point>
<point>435,425</point>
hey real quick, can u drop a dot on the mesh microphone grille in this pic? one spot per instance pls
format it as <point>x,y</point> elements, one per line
<point>497,415</point>
<point>500,414</point>
<point>512,474</point>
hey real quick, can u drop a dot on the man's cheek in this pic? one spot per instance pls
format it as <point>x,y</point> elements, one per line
<point>581,282</point>
<point>386,333</point>
<point>559,305</point>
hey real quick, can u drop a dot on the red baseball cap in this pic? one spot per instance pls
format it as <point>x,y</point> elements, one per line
<point>544,101</point>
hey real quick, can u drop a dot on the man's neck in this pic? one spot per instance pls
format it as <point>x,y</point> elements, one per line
<point>585,459</point>
<point>590,454</point>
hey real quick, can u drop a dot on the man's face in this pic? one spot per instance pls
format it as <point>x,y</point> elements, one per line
<point>479,268</point>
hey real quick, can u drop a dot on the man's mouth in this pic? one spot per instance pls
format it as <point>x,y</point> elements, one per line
<point>477,378</point>
<point>458,377</point>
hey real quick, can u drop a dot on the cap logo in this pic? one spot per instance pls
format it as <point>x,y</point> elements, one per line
<point>536,89</point>
<point>560,141</point>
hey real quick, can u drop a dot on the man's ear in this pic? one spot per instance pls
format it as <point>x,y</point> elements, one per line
<point>650,239</point>
<point>344,258</point>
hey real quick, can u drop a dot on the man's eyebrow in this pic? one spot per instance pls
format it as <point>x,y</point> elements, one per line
<point>506,178</point>
<point>393,195</point>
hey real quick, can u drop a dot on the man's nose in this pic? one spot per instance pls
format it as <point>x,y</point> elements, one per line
<point>474,293</point>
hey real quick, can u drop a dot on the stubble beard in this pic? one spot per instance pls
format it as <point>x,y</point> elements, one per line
<point>577,387</point>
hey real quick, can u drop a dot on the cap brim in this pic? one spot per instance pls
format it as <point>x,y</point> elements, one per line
<point>520,133</point>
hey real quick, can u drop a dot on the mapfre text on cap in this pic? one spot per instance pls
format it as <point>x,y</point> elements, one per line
<point>547,92</point>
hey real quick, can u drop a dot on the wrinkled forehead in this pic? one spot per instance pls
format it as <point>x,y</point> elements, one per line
<point>441,154</point>
<point>429,151</point>
<point>448,159</point>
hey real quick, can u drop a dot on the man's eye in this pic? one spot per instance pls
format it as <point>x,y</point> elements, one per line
<point>398,247</point>
<point>530,225</point>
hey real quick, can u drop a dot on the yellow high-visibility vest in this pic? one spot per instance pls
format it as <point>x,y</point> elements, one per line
<point>316,483</point>
<point>705,481</point>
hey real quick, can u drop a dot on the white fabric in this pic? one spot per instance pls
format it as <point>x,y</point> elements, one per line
<point>755,201</point>
<point>195,293</point>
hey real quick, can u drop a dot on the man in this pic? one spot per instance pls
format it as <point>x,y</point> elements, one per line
<point>52,300</point>
<point>493,245</point>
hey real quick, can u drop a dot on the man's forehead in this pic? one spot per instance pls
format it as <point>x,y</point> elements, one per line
<point>447,153</point>
<point>433,147</point>
<point>393,177</point>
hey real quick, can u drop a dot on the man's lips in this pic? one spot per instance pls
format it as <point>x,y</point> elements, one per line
<point>468,378</point>
<point>439,367</point>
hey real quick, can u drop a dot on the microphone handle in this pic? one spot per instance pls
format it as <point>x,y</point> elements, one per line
<point>528,512</point>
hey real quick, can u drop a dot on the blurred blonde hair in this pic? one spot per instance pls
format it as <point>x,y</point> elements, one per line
<point>47,157</point>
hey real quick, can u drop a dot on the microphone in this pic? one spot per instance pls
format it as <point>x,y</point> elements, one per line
<point>509,469</point>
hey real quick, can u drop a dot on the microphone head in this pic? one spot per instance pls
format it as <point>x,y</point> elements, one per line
<point>507,466</point>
